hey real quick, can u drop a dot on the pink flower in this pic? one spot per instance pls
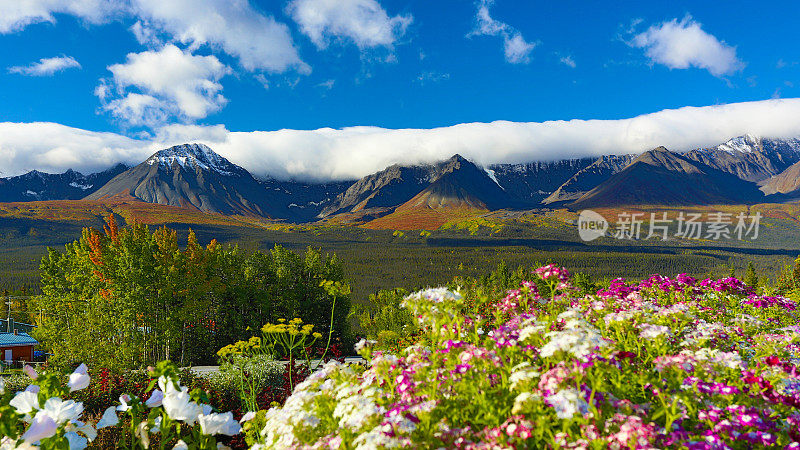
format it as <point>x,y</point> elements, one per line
<point>30,372</point>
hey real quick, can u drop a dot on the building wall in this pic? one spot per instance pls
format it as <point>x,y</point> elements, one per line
<point>19,353</point>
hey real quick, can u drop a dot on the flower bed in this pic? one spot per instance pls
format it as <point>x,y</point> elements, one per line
<point>665,362</point>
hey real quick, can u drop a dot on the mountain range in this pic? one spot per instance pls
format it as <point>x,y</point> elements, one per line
<point>746,169</point>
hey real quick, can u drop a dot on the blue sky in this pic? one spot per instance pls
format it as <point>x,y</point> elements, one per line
<point>149,73</point>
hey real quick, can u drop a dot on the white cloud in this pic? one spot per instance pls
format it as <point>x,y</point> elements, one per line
<point>257,40</point>
<point>363,22</point>
<point>683,44</point>
<point>51,147</point>
<point>517,50</point>
<point>47,66</point>
<point>353,152</point>
<point>327,84</point>
<point>17,14</point>
<point>145,34</point>
<point>432,77</point>
<point>170,83</point>
<point>568,61</point>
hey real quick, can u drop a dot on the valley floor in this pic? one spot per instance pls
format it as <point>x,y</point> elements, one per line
<point>377,259</point>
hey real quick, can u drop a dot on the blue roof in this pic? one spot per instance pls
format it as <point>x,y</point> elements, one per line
<point>16,340</point>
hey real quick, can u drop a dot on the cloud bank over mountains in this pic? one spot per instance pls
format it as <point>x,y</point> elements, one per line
<point>348,153</point>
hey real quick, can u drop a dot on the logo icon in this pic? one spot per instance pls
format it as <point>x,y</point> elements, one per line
<point>591,225</point>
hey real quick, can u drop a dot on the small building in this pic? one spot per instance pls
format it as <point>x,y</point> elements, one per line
<point>16,347</point>
<point>15,342</point>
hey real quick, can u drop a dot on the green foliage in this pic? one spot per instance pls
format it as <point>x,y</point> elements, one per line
<point>282,339</point>
<point>585,284</point>
<point>750,278</point>
<point>474,225</point>
<point>247,376</point>
<point>383,320</point>
<point>138,297</point>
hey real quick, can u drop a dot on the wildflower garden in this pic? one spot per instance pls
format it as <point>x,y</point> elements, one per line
<point>557,362</point>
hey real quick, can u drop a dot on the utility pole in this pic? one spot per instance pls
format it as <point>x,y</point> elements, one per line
<point>8,317</point>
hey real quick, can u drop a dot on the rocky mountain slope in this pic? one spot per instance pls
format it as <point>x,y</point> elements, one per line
<point>661,177</point>
<point>70,185</point>
<point>454,183</point>
<point>192,175</point>
<point>534,181</point>
<point>786,182</point>
<point>383,190</point>
<point>461,184</point>
<point>749,157</point>
<point>588,178</point>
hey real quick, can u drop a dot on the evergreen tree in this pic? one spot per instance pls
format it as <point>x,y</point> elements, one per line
<point>750,278</point>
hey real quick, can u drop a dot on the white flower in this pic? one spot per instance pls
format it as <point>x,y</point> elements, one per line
<point>179,406</point>
<point>165,384</point>
<point>42,427</point>
<point>156,425</point>
<point>180,445</point>
<point>87,429</point>
<point>570,314</point>
<point>33,388</point>
<point>30,372</point>
<point>155,399</point>
<point>520,373</point>
<point>247,417</point>
<point>577,338</point>
<point>76,441</point>
<point>61,411</point>
<point>520,401</point>
<point>109,418</point>
<point>141,433</point>
<point>25,402</point>
<point>375,438</point>
<point>621,316</point>
<point>363,344</point>
<point>567,402</point>
<point>214,423</point>
<point>650,331</point>
<point>123,400</point>
<point>355,410</point>
<point>79,379</point>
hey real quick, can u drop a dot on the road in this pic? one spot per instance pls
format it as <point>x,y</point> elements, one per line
<point>207,370</point>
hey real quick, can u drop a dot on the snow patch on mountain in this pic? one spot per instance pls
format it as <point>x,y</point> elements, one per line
<point>81,186</point>
<point>195,156</point>
<point>491,174</point>
<point>743,144</point>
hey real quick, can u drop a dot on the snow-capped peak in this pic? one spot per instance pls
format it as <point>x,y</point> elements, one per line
<point>193,156</point>
<point>747,143</point>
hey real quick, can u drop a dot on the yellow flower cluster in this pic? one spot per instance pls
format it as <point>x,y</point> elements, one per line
<point>294,327</point>
<point>240,348</point>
